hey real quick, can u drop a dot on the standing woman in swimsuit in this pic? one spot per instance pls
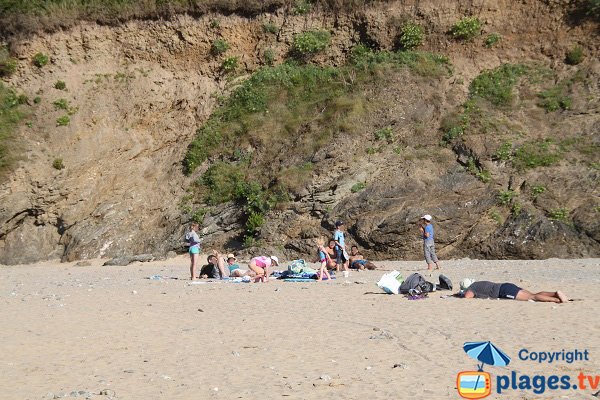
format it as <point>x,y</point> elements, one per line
<point>194,247</point>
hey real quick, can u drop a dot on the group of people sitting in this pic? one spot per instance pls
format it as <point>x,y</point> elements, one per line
<point>332,257</point>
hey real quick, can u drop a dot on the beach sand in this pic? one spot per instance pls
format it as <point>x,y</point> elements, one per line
<point>81,331</point>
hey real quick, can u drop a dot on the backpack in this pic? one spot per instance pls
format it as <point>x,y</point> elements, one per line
<point>415,283</point>
<point>445,282</point>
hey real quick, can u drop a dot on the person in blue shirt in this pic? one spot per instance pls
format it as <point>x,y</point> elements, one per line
<point>340,246</point>
<point>426,230</point>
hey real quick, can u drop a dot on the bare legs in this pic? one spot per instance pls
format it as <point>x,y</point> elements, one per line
<point>548,297</point>
<point>262,275</point>
<point>323,271</point>
<point>193,263</point>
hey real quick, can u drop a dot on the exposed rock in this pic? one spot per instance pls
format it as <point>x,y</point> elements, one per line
<point>126,260</point>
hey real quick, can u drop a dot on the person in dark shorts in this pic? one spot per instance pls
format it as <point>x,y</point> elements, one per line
<point>492,290</point>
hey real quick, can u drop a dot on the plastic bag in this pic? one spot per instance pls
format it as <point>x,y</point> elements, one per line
<point>390,282</point>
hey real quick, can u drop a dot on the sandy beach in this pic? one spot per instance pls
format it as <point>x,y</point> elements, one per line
<point>105,332</point>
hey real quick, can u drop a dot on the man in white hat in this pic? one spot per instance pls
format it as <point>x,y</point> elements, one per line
<point>426,230</point>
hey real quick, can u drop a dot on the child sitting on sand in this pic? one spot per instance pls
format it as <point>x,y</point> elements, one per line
<point>324,259</point>
<point>260,265</point>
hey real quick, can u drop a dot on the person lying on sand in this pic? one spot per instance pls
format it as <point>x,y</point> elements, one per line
<point>357,261</point>
<point>492,290</point>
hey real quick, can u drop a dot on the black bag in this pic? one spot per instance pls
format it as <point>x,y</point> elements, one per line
<point>415,283</point>
<point>445,282</point>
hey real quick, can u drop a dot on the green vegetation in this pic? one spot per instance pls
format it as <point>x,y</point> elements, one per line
<point>63,104</point>
<point>293,106</point>
<point>10,115</point>
<point>575,56</point>
<point>58,164</point>
<point>60,85</point>
<point>8,65</point>
<point>558,214</point>
<point>506,197</point>
<point>63,121</point>
<point>483,175</point>
<point>466,29</point>
<point>421,63</point>
<point>37,99</point>
<point>269,57</point>
<point>198,215</point>
<point>536,190</point>
<point>40,59</point>
<point>384,134</point>
<point>308,43</point>
<point>592,8</point>
<point>411,36</point>
<point>215,24</point>
<point>230,64</point>
<point>495,215</point>
<point>226,182</point>
<point>302,7</point>
<point>496,85</point>
<point>357,187</point>
<point>219,46</point>
<point>22,99</point>
<point>269,27</point>
<point>504,152</point>
<point>536,154</point>
<point>555,99</point>
<point>516,208</point>
<point>492,39</point>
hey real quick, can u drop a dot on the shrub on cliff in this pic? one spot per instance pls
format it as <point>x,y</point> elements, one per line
<point>466,29</point>
<point>10,115</point>
<point>308,43</point>
<point>411,36</point>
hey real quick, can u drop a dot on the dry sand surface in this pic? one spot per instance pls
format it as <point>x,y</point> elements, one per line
<point>81,331</point>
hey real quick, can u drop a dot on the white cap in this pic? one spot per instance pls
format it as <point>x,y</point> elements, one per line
<point>426,217</point>
<point>274,258</point>
<point>465,283</point>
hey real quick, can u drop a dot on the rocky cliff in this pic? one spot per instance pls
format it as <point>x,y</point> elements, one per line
<point>110,180</point>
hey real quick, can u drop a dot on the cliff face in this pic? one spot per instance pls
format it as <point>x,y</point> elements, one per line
<point>136,94</point>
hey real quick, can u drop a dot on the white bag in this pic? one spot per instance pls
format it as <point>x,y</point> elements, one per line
<point>390,282</point>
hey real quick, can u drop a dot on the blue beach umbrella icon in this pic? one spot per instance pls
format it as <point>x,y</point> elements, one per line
<point>486,353</point>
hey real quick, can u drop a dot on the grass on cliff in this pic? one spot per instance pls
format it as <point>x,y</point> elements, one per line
<point>10,115</point>
<point>270,127</point>
<point>32,16</point>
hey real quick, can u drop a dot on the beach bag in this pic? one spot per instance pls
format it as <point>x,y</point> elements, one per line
<point>297,266</point>
<point>445,282</point>
<point>390,282</point>
<point>417,284</point>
